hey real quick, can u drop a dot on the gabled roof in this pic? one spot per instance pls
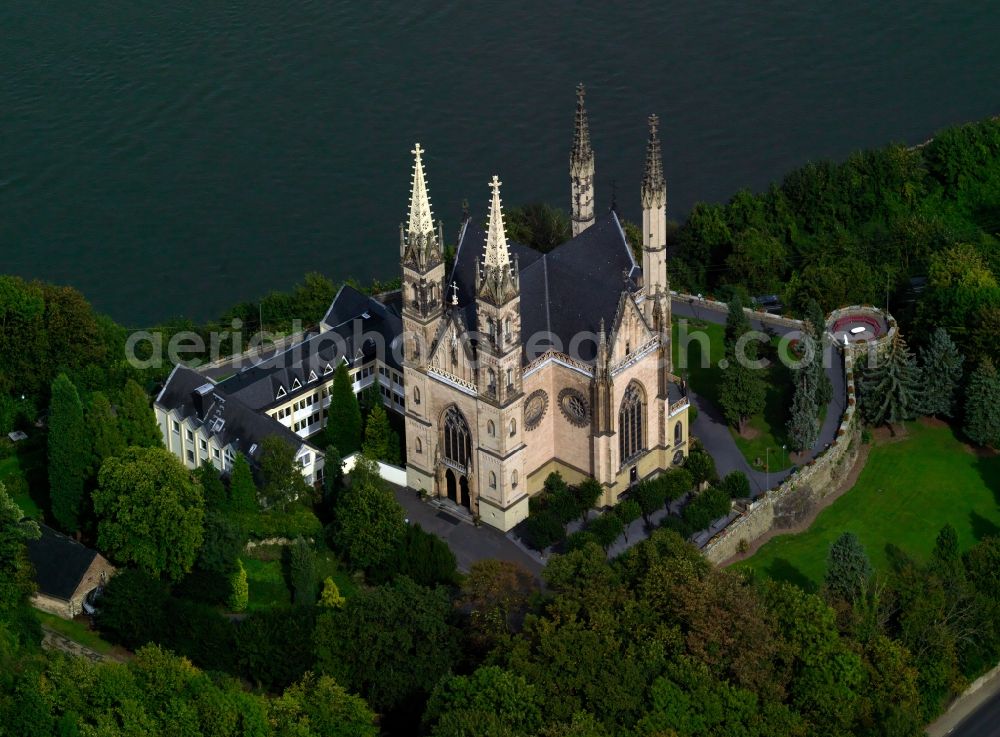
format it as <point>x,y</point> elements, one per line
<point>224,416</point>
<point>353,327</point>
<point>564,292</point>
<point>60,563</point>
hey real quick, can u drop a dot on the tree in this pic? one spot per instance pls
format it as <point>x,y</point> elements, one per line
<point>102,427</point>
<point>538,225</point>
<point>333,475</point>
<point>678,481</point>
<point>940,373</point>
<point>741,394</point>
<point>490,701</point>
<point>982,405</point>
<point>736,484</point>
<point>239,592</point>
<point>701,466</point>
<point>69,454</point>
<point>330,597</point>
<point>17,577</point>
<point>281,474</point>
<point>343,426</point>
<point>496,594</point>
<point>390,643</point>
<point>737,325</point>
<point>651,497</point>
<point>132,608</point>
<point>242,489</point>
<point>606,529</point>
<point>318,706</point>
<point>543,530</point>
<point>628,511</point>
<point>803,425</point>
<point>211,486</point>
<point>421,556</point>
<point>303,570</point>
<point>381,443</point>
<point>369,521</point>
<point>587,493</point>
<point>816,340</point>
<point>136,418</point>
<point>150,512</point>
<point>848,568</point>
<point>891,390</point>
<point>222,543</point>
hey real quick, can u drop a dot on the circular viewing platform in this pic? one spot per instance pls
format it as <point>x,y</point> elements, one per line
<point>860,327</point>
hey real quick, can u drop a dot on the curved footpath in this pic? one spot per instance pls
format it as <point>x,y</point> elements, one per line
<point>712,430</point>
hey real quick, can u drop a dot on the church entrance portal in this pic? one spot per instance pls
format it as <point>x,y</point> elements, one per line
<point>458,489</point>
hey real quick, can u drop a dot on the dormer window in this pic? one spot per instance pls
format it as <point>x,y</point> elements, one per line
<point>328,370</point>
<point>281,392</point>
<point>312,376</point>
<point>296,384</point>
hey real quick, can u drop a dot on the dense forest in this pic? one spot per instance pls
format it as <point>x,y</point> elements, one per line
<point>655,642</point>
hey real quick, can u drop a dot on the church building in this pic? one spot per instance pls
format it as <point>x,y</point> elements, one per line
<point>517,363</point>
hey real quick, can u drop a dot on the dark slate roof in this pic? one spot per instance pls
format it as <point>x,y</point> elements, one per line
<point>226,417</point>
<point>565,291</point>
<point>357,327</point>
<point>60,563</point>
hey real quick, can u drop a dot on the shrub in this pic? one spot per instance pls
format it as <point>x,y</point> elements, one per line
<point>421,556</point>
<point>239,591</point>
<point>132,609</point>
<point>302,565</point>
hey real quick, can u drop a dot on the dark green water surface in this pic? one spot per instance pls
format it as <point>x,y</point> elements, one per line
<point>175,157</point>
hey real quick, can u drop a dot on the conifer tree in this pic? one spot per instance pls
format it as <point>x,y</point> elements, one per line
<point>741,394</point>
<point>737,324</point>
<point>303,570</point>
<point>69,454</point>
<point>803,426</point>
<point>102,426</point>
<point>343,427</point>
<point>330,597</point>
<point>211,485</point>
<point>333,475</point>
<point>941,373</point>
<point>17,576</point>
<point>381,443</point>
<point>239,594</point>
<point>136,418</point>
<point>982,405</point>
<point>847,567</point>
<point>891,389</point>
<point>242,489</point>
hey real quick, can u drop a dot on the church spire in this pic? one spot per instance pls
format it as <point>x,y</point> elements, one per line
<point>419,241</point>
<point>582,151</point>
<point>654,189</point>
<point>497,278</point>
<point>581,168</point>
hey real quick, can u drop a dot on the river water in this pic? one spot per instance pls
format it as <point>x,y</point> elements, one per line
<point>172,158</point>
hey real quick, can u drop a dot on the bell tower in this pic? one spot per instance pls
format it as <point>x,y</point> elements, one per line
<point>423,296</point>
<point>501,483</point>
<point>654,224</point>
<point>581,169</point>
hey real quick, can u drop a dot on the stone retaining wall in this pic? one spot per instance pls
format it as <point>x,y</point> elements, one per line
<point>795,499</point>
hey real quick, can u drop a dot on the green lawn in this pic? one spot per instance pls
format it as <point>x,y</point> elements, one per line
<point>267,578</point>
<point>76,631</point>
<point>907,491</point>
<point>768,429</point>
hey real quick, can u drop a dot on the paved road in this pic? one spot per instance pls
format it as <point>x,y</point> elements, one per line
<point>467,542</point>
<point>712,430</point>
<point>984,722</point>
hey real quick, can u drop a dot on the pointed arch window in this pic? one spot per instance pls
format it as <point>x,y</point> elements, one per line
<point>491,381</point>
<point>513,428</point>
<point>631,440</point>
<point>491,429</point>
<point>418,446</point>
<point>493,480</point>
<point>506,330</point>
<point>456,437</point>
<point>513,479</point>
<point>678,433</point>
<point>416,395</point>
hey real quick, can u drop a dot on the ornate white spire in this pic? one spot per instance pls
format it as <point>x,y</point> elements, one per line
<point>496,238</point>
<point>419,242</point>
<point>581,169</point>
<point>497,279</point>
<point>421,221</point>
